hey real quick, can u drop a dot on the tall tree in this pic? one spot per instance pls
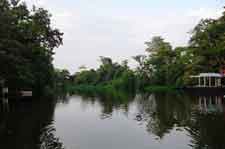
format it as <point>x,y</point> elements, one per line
<point>27,40</point>
<point>158,60</point>
<point>208,44</point>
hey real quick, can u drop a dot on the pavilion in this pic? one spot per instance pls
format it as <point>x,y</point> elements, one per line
<point>209,80</point>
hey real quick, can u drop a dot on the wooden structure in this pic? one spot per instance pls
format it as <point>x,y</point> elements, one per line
<point>209,80</point>
<point>26,93</point>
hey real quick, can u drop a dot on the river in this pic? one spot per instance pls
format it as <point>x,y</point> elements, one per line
<point>149,121</point>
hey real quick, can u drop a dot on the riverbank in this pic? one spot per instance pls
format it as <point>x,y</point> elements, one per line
<point>88,89</point>
<point>94,89</point>
<point>160,88</point>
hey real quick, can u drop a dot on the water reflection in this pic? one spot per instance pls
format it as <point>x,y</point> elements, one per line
<point>25,125</point>
<point>48,139</point>
<point>118,120</point>
<point>211,104</point>
<point>162,112</point>
<point>110,102</point>
<point>207,125</point>
<point>199,118</point>
<point>203,117</point>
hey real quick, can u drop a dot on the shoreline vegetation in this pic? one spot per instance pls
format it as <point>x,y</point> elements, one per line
<point>161,89</point>
<point>92,89</point>
<point>28,40</point>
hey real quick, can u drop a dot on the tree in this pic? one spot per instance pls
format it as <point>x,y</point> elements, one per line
<point>155,65</point>
<point>163,65</point>
<point>109,74</point>
<point>27,40</point>
<point>208,44</point>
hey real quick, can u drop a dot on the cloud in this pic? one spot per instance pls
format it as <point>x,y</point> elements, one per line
<point>205,13</point>
<point>41,3</point>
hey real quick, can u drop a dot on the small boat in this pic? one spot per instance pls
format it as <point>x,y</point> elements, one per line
<point>26,93</point>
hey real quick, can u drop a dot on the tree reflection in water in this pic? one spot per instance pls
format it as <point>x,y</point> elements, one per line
<point>48,139</point>
<point>163,112</point>
<point>203,118</point>
<point>207,126</point>
<point>27,125</point>
<point>110,102</point>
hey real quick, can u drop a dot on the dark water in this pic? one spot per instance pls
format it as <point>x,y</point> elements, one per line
<point>155,121</point>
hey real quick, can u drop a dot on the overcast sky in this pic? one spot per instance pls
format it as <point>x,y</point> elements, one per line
<point>119,28</point>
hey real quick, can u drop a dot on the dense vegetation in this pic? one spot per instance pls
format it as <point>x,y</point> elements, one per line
<point>109,76</point>
<point>163,65</point>
<point>27,40</point>
<point>166,66</point>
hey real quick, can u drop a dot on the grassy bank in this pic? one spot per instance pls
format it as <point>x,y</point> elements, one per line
<point>160,89</point>
<point>97,89</point>
<point>88,89</point>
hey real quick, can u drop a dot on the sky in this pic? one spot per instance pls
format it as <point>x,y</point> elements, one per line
<point>119,28</point>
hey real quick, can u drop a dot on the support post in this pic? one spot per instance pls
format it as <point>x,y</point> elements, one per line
<point>205,103</point>
<point>199,82</point>
<point>216,82</point>
<point>209,100</point>
<point>219,100</point>
<point>220,82</point>
<point>210,82</point>
<point>200,101</point>
<point>204,81</point>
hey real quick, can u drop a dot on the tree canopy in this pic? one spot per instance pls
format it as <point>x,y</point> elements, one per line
<point>27,40</point>
<point>208,44</point>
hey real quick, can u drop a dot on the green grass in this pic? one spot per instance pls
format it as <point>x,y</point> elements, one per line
<point>160,89</point>
<point>109,89</point>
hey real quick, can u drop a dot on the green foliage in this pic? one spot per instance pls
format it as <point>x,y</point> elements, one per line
<point>162,65</point>
<point>61,79</point>
<point>109,76</point>
<point>27,41</point>
<point>208,44</point>
<point>160,89</point>
<point>167,66</point>
<point>86,77</point>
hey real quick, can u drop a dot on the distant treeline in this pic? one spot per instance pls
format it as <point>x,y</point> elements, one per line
<point>162,65</point>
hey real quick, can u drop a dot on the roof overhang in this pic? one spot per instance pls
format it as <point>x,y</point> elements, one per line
<point>214,75</point>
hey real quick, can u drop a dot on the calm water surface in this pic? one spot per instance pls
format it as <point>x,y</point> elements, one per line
<point>151,121</point>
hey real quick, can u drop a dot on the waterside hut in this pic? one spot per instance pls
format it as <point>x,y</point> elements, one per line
<point>209,80</point>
